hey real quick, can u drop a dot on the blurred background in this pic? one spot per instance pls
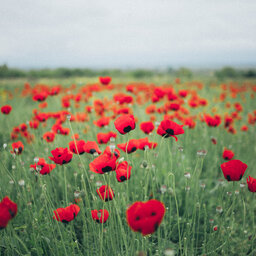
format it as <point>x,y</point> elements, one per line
<point>59,38</point>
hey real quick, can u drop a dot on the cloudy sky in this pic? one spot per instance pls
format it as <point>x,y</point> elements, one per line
<point>127,33</point>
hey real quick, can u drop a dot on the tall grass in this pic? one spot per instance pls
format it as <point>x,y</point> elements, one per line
<point>195,202</point>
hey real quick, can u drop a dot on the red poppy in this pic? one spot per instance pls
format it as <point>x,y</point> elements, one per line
<point>212,121</point>
<point>144,143</point>
<point>251,182</point>
<point>147,127</point>
<point>145,217</point>
<point>91,147</point>
<point>105,162</point>
<point>49,136</point>
<point>228,154</point>
<point>183,93</point>
<point>54,90</point>
<point>23,127</point>
<point>100,216</point>
<point>42,117</point>
<point>125,123</point>
<point>34,124</point>
<point>66,214</point>
<point>40,96</point>
<point>8,210</point>
<point>6,109</point>
<point>77,147</point>
<point>123,171</point>
<point>130,148</point>
<point>103,138</point>
<point>105,193</point>
<point>233,170</point>
<point>44,167</point>
<point>64,131</point>
<point>105,80</point>
<point>61,156</point>
<point>169,128</point>
<point>17,147</point>
<point>103,121</point>
<point>244,128</point>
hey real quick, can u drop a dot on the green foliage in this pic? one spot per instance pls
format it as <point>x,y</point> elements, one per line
<point>189,205</point>
<point>229,72</point>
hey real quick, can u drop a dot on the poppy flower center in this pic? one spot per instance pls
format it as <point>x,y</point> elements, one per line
<point>92,151</point>
<point>122,178</point>
<point>127,128</point>
<point>20,149</point>
<point>107,169</point>
<point>133,149</point>
<point>170,131</point>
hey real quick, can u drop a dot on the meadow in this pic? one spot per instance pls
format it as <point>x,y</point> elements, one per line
<point>192,203</point>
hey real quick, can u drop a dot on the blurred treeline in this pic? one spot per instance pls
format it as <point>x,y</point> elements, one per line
<point>226,72</point>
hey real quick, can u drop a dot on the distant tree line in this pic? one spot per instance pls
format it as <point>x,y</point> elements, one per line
<point>226,72</point>
<point>229,72</point>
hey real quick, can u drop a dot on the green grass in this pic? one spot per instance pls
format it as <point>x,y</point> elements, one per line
<point>186,227</point>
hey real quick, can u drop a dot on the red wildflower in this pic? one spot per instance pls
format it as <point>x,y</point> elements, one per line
<point>100,216</point>
<point>144,143</point>
<point>130,148</point>
<point>67,214</point>
<point>105,80</point>
<point>17,147</point>
<point>40,96</point>
<point>123,172</point>
<point>42,117</point>
<point>145,217</point>
<point>103,121</point>
<point>91,147</point>
<point>6,109</point>
<point>61,156</point>
<point>212,121</point>
<point>233,170</point>
<point>8,210</point>
<point>244,128</point>
<point>77,147</point>
<point>54,90</point>
<point>125,123</point>
<point>189,122</point>
<point>105,162</point>
<point>169,128</point>
<point>228,154</point>
<point>103,138</point>
<point>44,167</point>
<point>34,124</point>
<point>147,127</point>
<point>183,93</point>
<point>23,127</point>
<point>251,182</point>
<point>105,193</point>
<point>49,136</point>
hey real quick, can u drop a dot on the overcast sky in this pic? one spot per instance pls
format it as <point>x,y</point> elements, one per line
<point>127,33</point>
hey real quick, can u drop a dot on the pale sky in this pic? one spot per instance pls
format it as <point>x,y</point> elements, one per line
<point>127,33</point>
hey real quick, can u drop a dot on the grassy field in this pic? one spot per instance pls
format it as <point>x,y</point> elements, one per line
<point>205,214</point>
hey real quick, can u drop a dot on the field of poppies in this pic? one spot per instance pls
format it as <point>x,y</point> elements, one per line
<point>128,168</point>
